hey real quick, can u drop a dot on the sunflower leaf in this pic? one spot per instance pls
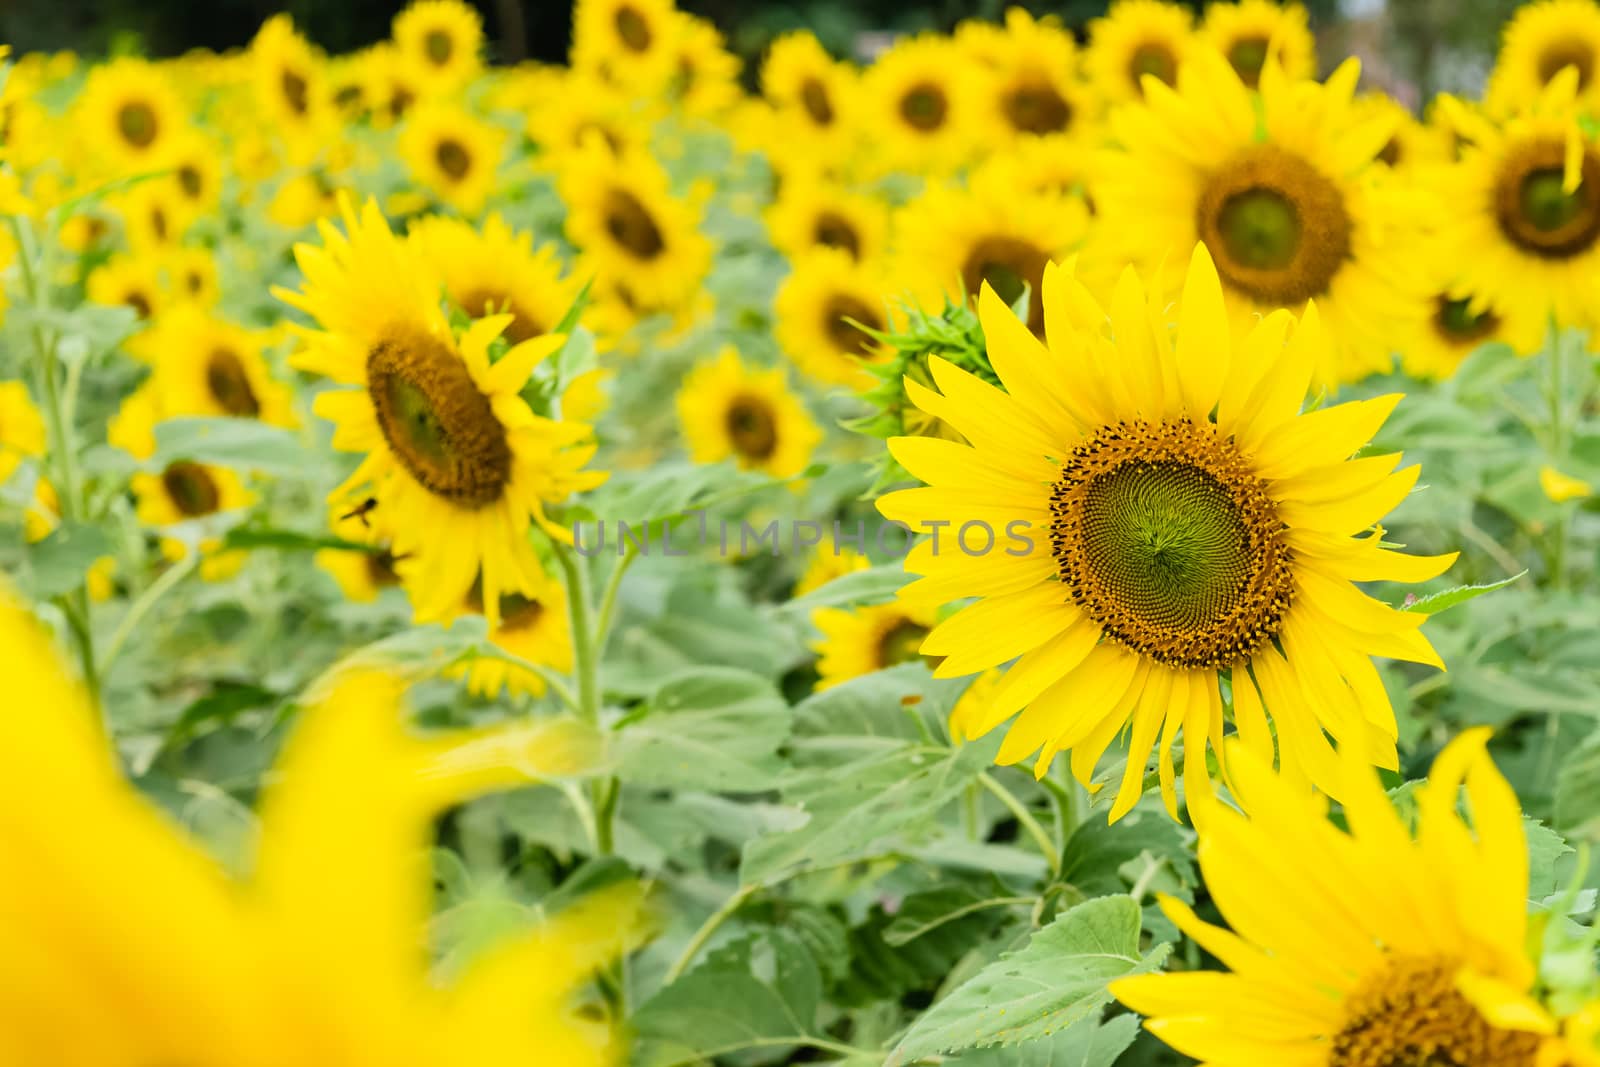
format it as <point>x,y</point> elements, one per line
<point>1434,603</point>
<point>710,728</point>
<point>1088,1042</point>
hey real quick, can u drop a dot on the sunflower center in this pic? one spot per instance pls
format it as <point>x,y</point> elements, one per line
<point>835,231</point>
<point>633,29</point>
<point>518,612</point>
<point>630,224</point>
<point>296,91</point>
<point>453,158</point>
<point>190,182</point>
<point>1276,226</point>
<point>438,424</point>
<point>480,303</point>
<point>846,337</point>
<point>138,302</point>
<point>752,427</point>
<point>190,488</point>
<point>900,643</point>
<point>1154,58</point>
<point>1459,325</point>
<point>814,97</point>
<point>1392,152</point>
<point>1563,54</point>
<point>439,47</point>
<point>1011,266</point>
<point>1166,537</point>
<point>1247,56</point>
<point>924,107</point>
<point>1537,214</point>
<point>229,385</point>
<point>380,568</point>
<point>137,123</point>
<point>1411,1015</point>
<point>1036,108</point>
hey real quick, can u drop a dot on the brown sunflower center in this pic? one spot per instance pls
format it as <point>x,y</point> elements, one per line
<point>900,643</point>
<point>479,303</point>
<point>1164,535</point>
<point>453,158</point>
<point>296,91</point>
<point>191,489</point>
<point>518,612</point>
<point>1247,56</point>
<point>1011,266</point>
<point>632,226</point>
<point>1536,213</point>
<point>1563,54</point>
<point>139,302</point>
<point>1393,151</point>
<point>752,427</point>
<point>439,46</point>
<point>1276,226</point>
<point>1457,324</point>
<point>380,568</point>
<point>833,230</point>
<point>818,104</point>
<point>1155,58</point>
<point>924,107</point>
<point>137,123</point>
<point>633,28</point>
<point>190,181</point>
<point>1036,107</point>
<point>438,424</point>
<point>1411,1015</point>
<point>837,315</point>
<point>229,385</point>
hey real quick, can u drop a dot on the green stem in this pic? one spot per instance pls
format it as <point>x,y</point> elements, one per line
<point>707,928</point>
<point>586,665</point>
<point>141,607</point>
<point>608,598</point>
<point>1558,453</point>
<point>1025,819</point>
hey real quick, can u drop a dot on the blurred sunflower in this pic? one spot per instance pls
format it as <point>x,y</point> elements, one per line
<point>131,114</point>
<point>455,460</point>
<point>361,574</point>
<point>1183,522</point>
<point>1135,38</point>
<point>1411,948</point>
<point>1281,189</point>
<point>829,561</point>
<point>21,428</point>
<point>626,42</point>
<point>391,85</point>
<point>153,218</point>
<point>496,269</point>
<point>728,411</point>
<point>184,491</point>
<point>1057,166</point>
<point>190,276</point>
<point>128,281</point>
<point>291,89</point>
<point>816,307</point>
<point>1246,32</point>
<point>441,41</point>
<point>814,94</point>
<point>453,153</point>
<point>196,181</point>
<point>1032,89</point>
<point>862,640</point>
<point>185,964</point>
<point>705,82</point>
<point>1540,41</point>
<point>1461,321</point>
<point>533,628</point>
<point>207,366</point>
<point>812,213</point>
<point>578,107</point>
<point>922,107</point>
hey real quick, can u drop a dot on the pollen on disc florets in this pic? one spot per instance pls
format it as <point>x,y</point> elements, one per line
<point>437,422</point>
<point>1165,536</point>
<point>1412,1015</point>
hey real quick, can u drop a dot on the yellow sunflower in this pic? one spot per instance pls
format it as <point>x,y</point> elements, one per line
<point>1524,209</point>
<point>728,411</point>
<point>626,42</point>
<point>196,180</point>
<point>972,704</point>
<point>452,153</point>
<point>319,955</point>
<point>621,213</point>
<point>862,640</point>
<point>1461,321</point>
<point>1540,41</point>
<point>1135,38</point>
<point>21,428</point>
<point>441,41</point>
<point>1412,147</point>
<point>922,107</point>
<point>183,492</point>
<point>533,628</point>
<point>208,366</point>
<point>131,115</point>
<point>361,575</point>
<point>1582,1045</point>
<point>816,96</point>
<point>1057,165</point>
<point>705,80</point>
<point>817,307</point>
<point>812,212</point>
<point>128,281</point>
<point>292,89</point>
<point>1284,190</point>
<point>456,461</point>
<point>829,560</point>
<point>391,86</point>
<point>497,269</point>
<point>43,518</point>
<point>190,275</point>
<point>1161,517</point>
<point>578,107</point>
<point>153,218</point>
<point>1247,31</point>
<point>1032,88</point>
<point>1408,947</point>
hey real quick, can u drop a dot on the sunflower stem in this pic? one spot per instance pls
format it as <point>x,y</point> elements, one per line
<point>586,642</point>
<point>147,600</point>
<point>1025,819</point>
<point>707,928</point>
<point>1558,451</point>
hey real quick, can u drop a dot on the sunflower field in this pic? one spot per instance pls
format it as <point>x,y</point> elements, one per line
<point>1047,545</point>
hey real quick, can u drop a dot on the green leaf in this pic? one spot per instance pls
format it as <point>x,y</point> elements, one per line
<point>1096,851</point>
<point>876,585</point>
<point>59,561</point>
<point>1057,979</point>
<point>1434,603</point>
<point>243,444</point>
<point>886,968</point>
<point>1546,849</point>
<point>1577,806</point>
<point>1086,1043</point>
<point>710,728</point>
<point>923,913</point>
<point>253,537</point>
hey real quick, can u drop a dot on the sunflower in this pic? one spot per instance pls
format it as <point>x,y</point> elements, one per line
<point>391,86</point>
<point>922,107</point>
<point>184,491</point>
<point>1411,946</point>
<point>626,42</point>
<point>815,96</point>
<point>1032,89</point>
<point>818,306</point>
<point>579,107</point>
<point>195,185</point>
<point>729,411</point>
<point>187,964</point>
<point>190,277</point>
<point>1135,38</point>
<point>440,40</point>
<point>1524,200</point>
<point>208,366</point>
<point>452,153</point>
<point>1461,321</point>
<point>533,628</point>
<point>812,213</point>
<point>128,281</point>
<point>862,640</point>
<point>131,115</point>
<point>497,269</point>
<point>705,82</point>
<point>1247,31</point>
<point>621,213</point>
<point>960,239</point>
<point>1413,147</point>
<point>21,428</point>
<point>292,89</point>
<point>455,460</point>
<point>972,704</point>
<point>361,575</point>
<point>1161,517</point>
<point>1058,165</point>
<point>153,218</point>
<point>1540,41</point>
<point>1283,189</point>
<point>829,560</point>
